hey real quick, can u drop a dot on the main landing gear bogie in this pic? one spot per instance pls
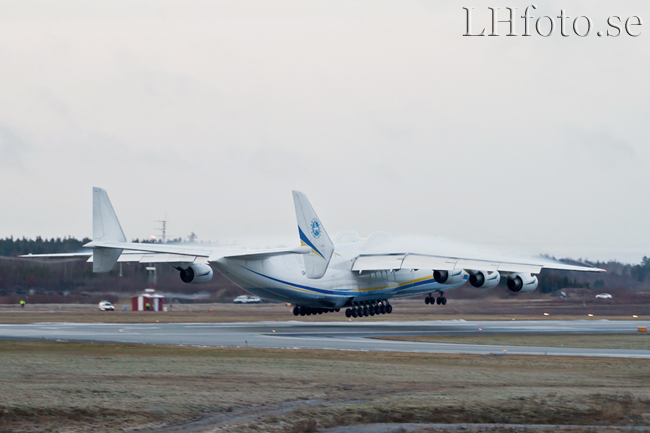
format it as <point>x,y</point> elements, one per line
<point>371,308</point>
<point>440,300</point>
<point>359,309</point>
<point>308,311</point>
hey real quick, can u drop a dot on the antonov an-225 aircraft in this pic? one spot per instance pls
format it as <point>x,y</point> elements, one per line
<point>319,276</point>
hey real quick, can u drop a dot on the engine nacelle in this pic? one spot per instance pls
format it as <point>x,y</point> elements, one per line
<point>450,277</point>
<point>522,283</point>
<point>197,274</point>
<point>484,279</point>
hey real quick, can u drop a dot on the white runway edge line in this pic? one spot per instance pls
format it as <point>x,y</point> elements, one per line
<point>334,335</point>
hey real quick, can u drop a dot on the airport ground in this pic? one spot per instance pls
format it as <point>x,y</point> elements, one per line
<point>50,386</point>
<point>74,387</point>
<point>520,308</point>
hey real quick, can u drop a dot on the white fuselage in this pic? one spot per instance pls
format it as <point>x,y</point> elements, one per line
<point>282,278</point>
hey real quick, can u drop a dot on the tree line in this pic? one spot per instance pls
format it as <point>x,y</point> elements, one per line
<point>10,247</point>
<point>72,279</point>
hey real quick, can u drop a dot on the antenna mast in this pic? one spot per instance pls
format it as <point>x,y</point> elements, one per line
<point>163,229</point>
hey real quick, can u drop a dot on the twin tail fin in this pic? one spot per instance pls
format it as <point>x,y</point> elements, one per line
<point>313,235</point>
<point>106,228</point>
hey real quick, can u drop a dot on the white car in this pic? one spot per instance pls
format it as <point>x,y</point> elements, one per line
<point>106,306</point>
<point>243,299</point>
<point>604,296</point>
<point>254,300</point>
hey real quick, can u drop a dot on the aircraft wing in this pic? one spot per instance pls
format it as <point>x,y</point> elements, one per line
<point>210,254</point>
<point>383,252</point>
<point>125,257</point>
<point>375,262</point>
<point>166,253</point>
<point>58,255</point>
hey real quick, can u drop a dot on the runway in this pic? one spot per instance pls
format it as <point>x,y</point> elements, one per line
<point>333,335</point>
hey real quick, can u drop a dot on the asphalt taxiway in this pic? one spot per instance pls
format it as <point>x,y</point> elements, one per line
<point>333,335</point>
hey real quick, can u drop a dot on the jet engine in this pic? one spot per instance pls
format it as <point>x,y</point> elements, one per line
<point>522,283</point>
<point>484,279</point>
<point>196,274</point>
<point>449,277</point>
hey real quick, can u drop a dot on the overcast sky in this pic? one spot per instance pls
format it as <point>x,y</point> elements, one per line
<point>211,112</point>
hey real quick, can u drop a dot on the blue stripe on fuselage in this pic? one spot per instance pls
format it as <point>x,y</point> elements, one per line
<point>395,289</point>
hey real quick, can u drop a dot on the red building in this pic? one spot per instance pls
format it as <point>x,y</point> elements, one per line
<point>153,300</point>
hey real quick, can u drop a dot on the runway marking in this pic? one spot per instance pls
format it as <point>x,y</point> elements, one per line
<point>126,331</point>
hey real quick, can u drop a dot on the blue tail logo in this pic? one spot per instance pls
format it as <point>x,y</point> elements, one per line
<point>315,228</point>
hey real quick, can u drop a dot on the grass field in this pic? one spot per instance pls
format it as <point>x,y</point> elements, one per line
<point>48,387</point>
<point>639,341</point>
<point>79,387</point>
<point>408,309</point>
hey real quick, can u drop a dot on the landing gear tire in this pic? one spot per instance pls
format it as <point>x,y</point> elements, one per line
<point>439,300</point>
<point>371,310</point>
<point>296,311</point>
<point>427,300</point>
<point>444,301</point>
<point>382,309</point>
<point>348,313</point>
<point>337,310</point>
<point>365,311</point>
<point>355,314</point>
<point>389,308</point>
<point>320,311</point>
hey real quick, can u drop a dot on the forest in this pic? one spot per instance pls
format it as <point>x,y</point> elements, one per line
<point>72,280</point>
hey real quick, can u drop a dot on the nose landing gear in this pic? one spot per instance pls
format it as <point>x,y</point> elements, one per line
<point>440,300</point>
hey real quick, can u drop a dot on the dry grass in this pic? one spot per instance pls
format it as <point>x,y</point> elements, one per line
<point>61,387</point>
<point>409,309</point>
<point>639,341</point>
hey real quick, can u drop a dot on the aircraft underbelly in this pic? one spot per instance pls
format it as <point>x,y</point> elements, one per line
<point>266,279</point>
<point>271,279</point>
